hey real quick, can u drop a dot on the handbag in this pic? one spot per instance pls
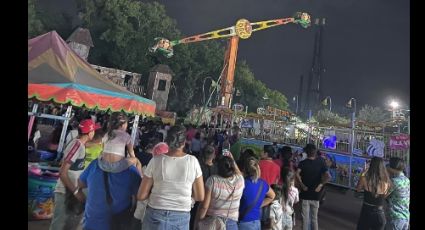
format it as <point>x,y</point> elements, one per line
<point>123,219</point>
<point>212,223</point>
<point>215,222</point>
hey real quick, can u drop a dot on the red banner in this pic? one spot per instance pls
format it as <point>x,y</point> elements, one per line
<point>401,141</point>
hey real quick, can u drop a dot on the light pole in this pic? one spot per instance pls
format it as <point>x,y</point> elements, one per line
<point>394,105</point>
<point>265,97</point>
<point>295,99</point>
<point>330,103</point>
<point>353,104</point>
<point>203,89</point>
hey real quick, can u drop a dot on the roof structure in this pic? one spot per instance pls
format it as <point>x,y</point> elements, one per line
<point>56,66</point>
<point>82,36</point>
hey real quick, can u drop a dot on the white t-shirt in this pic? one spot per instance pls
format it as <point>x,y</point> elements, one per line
<point>117,144</point>
<point>173,178</point>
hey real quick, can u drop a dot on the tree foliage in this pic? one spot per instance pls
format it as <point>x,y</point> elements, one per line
<point>372,115</point>
<point>326,117</point>
<point>35,26</point>
<point>123,30</point>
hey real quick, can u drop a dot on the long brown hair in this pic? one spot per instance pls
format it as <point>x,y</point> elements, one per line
<point>376,175</point>
<point>288,177</point>
<point>116,120</point>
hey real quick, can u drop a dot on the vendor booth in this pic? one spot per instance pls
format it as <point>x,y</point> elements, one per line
<point>57,74</point>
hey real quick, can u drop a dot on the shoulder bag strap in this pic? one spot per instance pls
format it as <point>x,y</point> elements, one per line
<point>251,206</point>
<point>231,202</point>
<point>108,192</point>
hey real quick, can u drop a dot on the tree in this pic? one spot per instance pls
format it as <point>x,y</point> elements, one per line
<point>123,30</point>
<point>326,117</point>
<point>372,115</point>
<point>35,27</point>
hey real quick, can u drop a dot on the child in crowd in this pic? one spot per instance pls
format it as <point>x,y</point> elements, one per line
<point>94,147</point>
<point>290,196</point>
<point>276,213</point>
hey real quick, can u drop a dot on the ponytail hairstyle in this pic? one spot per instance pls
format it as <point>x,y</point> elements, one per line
<point>116,120</point>
<point>176,137</point>
<point>288,177</point>
<point>252,169</point>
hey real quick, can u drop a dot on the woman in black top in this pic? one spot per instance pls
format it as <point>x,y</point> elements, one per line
<point>376,183</point>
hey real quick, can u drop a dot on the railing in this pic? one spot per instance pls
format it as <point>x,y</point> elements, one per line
<point>361,141</point>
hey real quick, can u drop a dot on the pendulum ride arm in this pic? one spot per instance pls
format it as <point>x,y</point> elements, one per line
<point>243,29</point>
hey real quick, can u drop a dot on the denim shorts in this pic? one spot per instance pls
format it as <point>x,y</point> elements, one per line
<point>156,219</point>
<point>114,167</point>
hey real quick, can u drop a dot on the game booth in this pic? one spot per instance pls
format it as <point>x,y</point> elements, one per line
<point>56,74</point>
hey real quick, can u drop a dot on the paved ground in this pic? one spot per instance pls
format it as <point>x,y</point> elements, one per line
<point>339,212</point>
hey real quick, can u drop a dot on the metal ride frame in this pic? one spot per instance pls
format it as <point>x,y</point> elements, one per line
<point>243,29</point>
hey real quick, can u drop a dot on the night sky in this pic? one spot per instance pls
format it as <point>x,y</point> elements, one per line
<point>365,47</point>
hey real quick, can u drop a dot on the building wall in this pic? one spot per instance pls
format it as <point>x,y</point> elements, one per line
<point>80,49</point>
<point>159,96</point>
<point>118,77</point>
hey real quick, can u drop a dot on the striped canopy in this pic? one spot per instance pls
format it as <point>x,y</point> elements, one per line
<point>56,73</point>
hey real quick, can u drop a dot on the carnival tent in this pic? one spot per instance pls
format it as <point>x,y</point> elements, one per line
<point>56,73</point>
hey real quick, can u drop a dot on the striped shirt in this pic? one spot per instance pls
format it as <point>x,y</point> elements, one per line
<point>223,203</point>
<point>74,155</point>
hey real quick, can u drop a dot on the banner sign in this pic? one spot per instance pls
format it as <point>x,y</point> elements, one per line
<point>277,112</point>
<point>238,107</point>
<point>375,148</point>
<point>401,141</point>
<point>247,123</point>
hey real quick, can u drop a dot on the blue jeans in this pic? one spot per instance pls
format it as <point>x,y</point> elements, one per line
<point>231,225</point>
<point>114,167</point>
<point>156,219</point>
<point>250,225</point>
<point>400,224</point>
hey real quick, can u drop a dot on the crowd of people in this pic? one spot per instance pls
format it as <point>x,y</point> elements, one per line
<point>182,177</point>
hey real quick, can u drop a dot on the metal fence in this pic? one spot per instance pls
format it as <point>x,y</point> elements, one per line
<point>346,161</point>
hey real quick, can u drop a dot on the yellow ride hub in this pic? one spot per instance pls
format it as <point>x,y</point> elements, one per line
<point>243,28</point>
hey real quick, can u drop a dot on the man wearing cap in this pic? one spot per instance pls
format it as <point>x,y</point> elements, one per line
<point>71,168</point>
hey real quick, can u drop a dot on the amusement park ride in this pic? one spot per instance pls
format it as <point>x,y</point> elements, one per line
<point>243,29</point>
